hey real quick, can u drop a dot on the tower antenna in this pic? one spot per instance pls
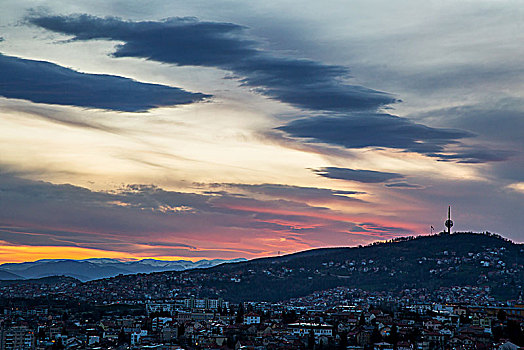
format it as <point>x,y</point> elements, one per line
<point>449,222</point>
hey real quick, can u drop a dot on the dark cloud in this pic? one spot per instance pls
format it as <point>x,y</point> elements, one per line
<point>189,42</point>
<point>499,122</point>
<point>403,185</point>
<point>474,155</point>
<point>379,230</point>
<point>306,84</point>
<point>365,176</point>
<point>502,120</point>
<point>374,130</point>
<point>298,193</point>
<point>181,41</point>
<point>45,82</point>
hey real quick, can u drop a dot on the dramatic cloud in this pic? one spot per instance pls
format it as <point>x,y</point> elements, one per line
<point>374,130</point>
<point>45,82</point>
<point>276,162</point>
<point>365,176</point>
<point>388,131</point>
<point>498,121</point>
<point>350,116</point>
<point>188,42</point>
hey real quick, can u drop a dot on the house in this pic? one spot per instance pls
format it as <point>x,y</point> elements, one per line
<point>303,329</point>
<point>435,337</point>
<point>382,346</point>
<point>363,337</point>
<point>251,318</point>
<point>19,337</point>
<point>433,325</point>
<point>160,322</point>
<point>404,345</point>
<point>135,336</point>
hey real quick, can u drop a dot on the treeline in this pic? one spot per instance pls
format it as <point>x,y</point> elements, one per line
<point>411,238</point>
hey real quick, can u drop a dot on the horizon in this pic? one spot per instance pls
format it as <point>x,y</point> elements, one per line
<point>393,240</point>
<point>123,260</point>
<point>189,130</point>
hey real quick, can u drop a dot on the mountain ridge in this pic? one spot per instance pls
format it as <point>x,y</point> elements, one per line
<point>428,262</point>
<point>90,269</point>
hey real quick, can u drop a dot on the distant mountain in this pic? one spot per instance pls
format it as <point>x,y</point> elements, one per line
<point>430,262</point>
<point>5,275</point>
<point>90,269</point>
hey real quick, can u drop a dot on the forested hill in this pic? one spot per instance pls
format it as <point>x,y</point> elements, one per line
<point>423,262</point>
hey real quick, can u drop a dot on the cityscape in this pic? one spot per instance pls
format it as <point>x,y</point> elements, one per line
<point>182,310</point>
<point>261,175</point>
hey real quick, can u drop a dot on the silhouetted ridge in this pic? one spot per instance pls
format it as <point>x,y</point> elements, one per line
<point>429,262</point>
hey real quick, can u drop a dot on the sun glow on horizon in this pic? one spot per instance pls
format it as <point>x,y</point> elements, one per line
<point>18,254</point>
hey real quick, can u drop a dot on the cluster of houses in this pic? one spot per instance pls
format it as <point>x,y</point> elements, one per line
<point>340,318</point>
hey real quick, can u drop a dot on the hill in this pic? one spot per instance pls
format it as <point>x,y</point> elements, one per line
<point>49,281</point>
<point>5,275</point>
<point>423,262</point>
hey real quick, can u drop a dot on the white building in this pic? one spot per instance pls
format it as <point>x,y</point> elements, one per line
<point>160,322</point>
<point>303,329</point>
<point>209,304</point>
<point>135,336</point>
<point>160,307</point>
<point>251,318</point>
<point>17,338</point>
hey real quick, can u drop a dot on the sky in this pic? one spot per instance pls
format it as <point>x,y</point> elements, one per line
<point>225,129</point>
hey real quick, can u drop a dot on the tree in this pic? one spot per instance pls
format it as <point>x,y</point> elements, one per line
<point>498,332</point>
<point>123,338</point>
<point>289,317</point>
<point>343,344</point>
<point>311,339</point>
<point>240,314</point>
<point>250,308</point>
<point>181,329</point>
<point>514,333</point>
<point>375,336</point>
<point>501,315</point>
<point>362,320</point>
<point>393,337</point>
<point>414,335</point>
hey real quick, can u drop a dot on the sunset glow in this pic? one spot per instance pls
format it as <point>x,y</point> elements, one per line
<point>183,131</point>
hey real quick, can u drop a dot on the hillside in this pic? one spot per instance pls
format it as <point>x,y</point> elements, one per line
<point>5,275</point>
<point>422,262</point>
<point>49,281</point>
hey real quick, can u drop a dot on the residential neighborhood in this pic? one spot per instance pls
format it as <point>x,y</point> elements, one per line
<point>340,318</point>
